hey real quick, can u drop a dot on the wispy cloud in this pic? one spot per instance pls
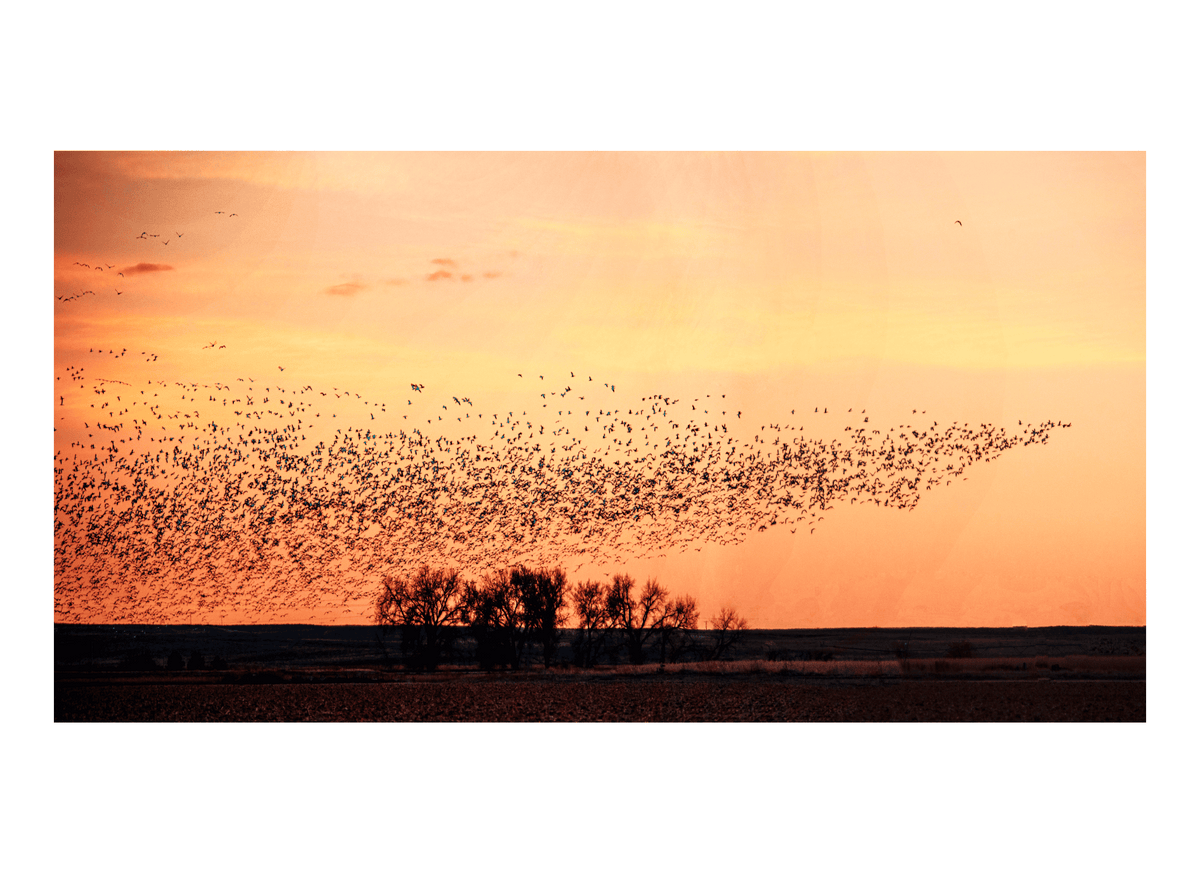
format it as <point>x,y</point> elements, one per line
<point>444,262</point>
<point>491,275</point>
<point>395,281</point>
<point>147,268</point>
<point>346,289</point>
<point>440,274</point>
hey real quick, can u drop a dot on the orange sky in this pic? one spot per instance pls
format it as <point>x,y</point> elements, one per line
<point>784,281</point>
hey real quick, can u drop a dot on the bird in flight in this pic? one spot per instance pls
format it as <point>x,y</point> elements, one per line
<point>959,223</point>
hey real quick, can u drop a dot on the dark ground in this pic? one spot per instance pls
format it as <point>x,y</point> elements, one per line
<point>105,647</point>
<point>737,698</point>
<point>310,673</point>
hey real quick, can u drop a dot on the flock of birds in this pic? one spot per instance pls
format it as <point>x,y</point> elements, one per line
<point>197,502</point>
<point>188,502</point>
<point>144,235</point>
<point>67,298</point>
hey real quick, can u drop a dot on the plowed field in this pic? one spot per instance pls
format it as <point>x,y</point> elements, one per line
<point>641,698</point>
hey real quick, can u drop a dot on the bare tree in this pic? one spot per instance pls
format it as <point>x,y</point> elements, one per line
<point>730,628</point>
<point>426,607</point>
<point>543,595</point>
<point>494,611</point>
<point>633,617</point>
<point>588,598</point>
<point>648,615</point>
<point>512,608</point>
<point>679,617</point>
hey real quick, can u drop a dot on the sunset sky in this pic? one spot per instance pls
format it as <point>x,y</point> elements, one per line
<point>781,280</point>
<point>784,281</point>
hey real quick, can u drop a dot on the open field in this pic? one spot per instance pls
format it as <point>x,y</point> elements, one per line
<point>679,698</point>
<point>107,647</point>
<point>299,673</point>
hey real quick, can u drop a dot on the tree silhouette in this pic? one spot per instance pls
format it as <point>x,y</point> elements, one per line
<point>543,595</point>
<point>588,598</point>
<point>639,619</point>
<point>514,607</point>
<point>494,611</point>
<point>426,607</point>
<point>730,628</point>
<point>680,616</point>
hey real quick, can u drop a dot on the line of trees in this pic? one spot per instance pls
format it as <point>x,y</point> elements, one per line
<point>511,612</point>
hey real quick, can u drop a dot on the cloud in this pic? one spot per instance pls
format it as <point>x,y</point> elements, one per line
<point>445,262</point>
<point>346,289</point>
<point>146,268</point>
<point>440,274</point>
<point>466,277</point>
<point>491,275</point>
<point>395,281</point>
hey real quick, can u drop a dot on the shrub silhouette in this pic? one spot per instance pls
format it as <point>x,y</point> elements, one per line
<point>175,661</point>
<point>138,661</point>
<point>960,650</point>
<point>218,663</point>
<point>196,661</point>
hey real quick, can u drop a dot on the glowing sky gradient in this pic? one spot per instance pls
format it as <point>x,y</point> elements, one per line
<point>785,281</point>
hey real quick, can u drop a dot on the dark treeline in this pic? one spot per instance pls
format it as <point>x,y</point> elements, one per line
<point>512,616</point>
